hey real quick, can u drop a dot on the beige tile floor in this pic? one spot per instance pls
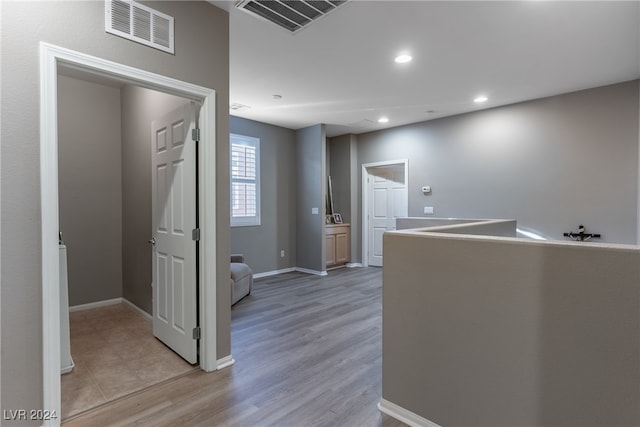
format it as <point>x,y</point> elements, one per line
<point>115,354</point>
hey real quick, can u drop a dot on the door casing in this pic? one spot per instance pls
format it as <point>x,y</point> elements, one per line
<point>52,57</point>
<point>366,201</point>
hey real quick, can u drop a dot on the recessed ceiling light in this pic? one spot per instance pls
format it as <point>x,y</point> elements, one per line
<point>480,99</point>
<point>276,96</point>
<point>383,120</point>
<point>401,59</point>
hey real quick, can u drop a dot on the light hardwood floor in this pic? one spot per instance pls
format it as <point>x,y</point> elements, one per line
<point>308,352</point>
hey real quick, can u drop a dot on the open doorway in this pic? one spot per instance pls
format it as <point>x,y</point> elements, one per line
<point>105,153</point>
<point>52,58</point>
<point>384,198</point>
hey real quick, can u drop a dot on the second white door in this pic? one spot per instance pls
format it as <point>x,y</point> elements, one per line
<point>387,200</point>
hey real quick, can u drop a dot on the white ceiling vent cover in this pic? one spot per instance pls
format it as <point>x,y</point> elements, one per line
<point>140,23</point>
<point>292,15</point>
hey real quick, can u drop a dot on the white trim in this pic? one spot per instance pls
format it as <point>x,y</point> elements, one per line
<point>50,58</point>
<point>308,271</point>
<point>108,302</point>
<point>274,272</point>
<point>97,304</point>
<point>365,200</point>
<point>208,243</point>
<point>225,362</point>
<point>51,398</point>
<point>68,368</point>
<point>354,265</point>
<point>298,269</point>
<point>137,309</point>
<point>399,413</point>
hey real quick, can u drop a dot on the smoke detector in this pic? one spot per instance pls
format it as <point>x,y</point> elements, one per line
<point>236,106</point>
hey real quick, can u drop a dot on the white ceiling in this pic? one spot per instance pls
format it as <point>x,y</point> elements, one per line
<point>340,70</point>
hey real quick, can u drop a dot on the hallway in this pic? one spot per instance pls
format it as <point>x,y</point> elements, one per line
<point>307,351</point>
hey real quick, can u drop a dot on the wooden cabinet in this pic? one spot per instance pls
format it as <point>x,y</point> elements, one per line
<point>337,245</point>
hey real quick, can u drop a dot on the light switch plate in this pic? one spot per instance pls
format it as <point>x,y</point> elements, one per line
<point>314,211</point>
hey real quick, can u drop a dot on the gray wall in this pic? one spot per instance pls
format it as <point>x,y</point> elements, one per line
<point>140,107</point>
<point>491,227</point>
<point>262,244</point>
<point>547,335</point>
<point>105,187</point>
<point>356,218</point>
<point>311,193</point>
<point>339,168</point>
<point>90,188</point>
<point>552,163</point>
<point>344,171</point>
<point>418,222</point>
<point>202,52</point>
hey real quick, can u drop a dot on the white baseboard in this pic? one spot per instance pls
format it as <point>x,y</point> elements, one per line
<point>404,415</point>
<point>67,368</point>
<point>225,362</point>
<point>273,273</point>
<point>96,304</point>
<point>137,309</point>
<point>308,271</point>
<point>289,270</point>
<point>300,270</point>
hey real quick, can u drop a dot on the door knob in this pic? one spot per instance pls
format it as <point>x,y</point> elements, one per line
<point>152,240</point>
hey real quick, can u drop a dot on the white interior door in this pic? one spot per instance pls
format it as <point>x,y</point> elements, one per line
<point>387,201</point>
<point>174,218</point>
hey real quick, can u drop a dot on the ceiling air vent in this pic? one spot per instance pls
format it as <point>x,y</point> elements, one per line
<point>140,23</point>
<point>292,15</point>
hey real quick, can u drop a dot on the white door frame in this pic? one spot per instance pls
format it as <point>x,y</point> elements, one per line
<point>365,199</point>
<point>50,58</point>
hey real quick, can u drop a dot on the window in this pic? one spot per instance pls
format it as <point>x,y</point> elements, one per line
<point>245,180</point>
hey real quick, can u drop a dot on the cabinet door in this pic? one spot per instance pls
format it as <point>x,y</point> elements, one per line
<point>342,248</point>
<point>330,249</point>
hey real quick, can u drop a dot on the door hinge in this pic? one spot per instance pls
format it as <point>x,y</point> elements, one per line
<point>195,234</point>
<point>195,134</point>
<point>196,333</point>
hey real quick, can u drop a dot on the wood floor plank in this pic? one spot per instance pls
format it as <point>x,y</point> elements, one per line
<point>308,352</point>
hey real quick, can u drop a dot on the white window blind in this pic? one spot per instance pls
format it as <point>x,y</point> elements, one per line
<point>245,180</point>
